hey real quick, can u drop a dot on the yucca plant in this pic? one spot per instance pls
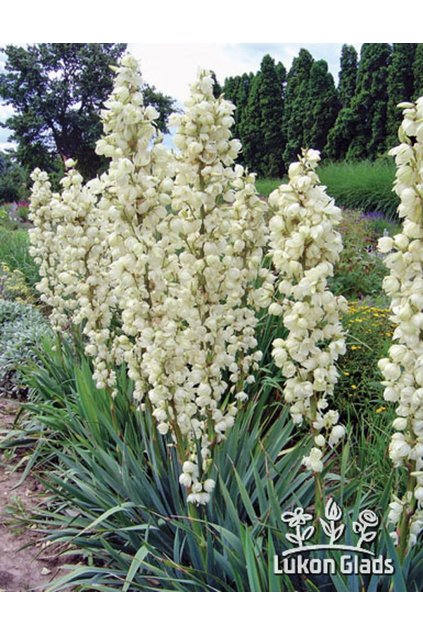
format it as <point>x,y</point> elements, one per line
<point>115,503</point>
<point>118,502</point>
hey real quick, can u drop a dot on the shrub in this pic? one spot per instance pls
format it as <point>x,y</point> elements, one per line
<point>305,245</point>
<point>21,328</point>
<point>23,210</point>
<point>360,271</point>
<point>402,367</point>
<point>13,285</point>
<point>13,179</point>
<point>159,261</point>
<point>6,222</point>
<point>14,252</point>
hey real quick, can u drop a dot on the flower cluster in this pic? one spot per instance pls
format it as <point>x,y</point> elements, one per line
<point>69,241</point>
<point>158,259</point>
<point>48,215</point>
<point>219,230</point>
<point>304,245</point>
<point>135,193</point>
<point>403,369</point>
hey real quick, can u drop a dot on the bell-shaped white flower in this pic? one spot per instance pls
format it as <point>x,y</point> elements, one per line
<point>403,370</point>
<point>305,245</point>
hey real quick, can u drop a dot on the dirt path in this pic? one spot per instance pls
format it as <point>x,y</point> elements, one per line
<point>23,568</point>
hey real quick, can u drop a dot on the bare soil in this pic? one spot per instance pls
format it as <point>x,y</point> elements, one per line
<point>24,566</point>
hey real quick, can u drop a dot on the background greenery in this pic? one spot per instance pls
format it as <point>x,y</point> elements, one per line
<point>57,92</point>
<point>279,112</point>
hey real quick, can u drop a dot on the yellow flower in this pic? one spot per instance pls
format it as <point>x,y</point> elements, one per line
<point>353,387</point>
<point>379,410</point>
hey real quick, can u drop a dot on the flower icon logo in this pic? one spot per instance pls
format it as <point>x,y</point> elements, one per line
<point>366,519</point>
<point>303,528</point>
<point>296,519</point>
<point>333,513</point>
<point>332,510</point>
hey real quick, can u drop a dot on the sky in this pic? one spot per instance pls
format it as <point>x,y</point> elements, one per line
<point>172,67</point>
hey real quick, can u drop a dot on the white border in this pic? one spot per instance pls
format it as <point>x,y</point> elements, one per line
<point>217,21</point>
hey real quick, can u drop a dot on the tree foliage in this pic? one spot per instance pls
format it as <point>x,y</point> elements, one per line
<point>418,72</point>
<point>250,127</point>
<point>217,88</point>
<point>237,89</point>
<point>271,106</point>
<point>322,107</point>
<point>400,87</point>
<point>12,180</point>
<point>296,98</point>
<point>369,104</point>
<point>57,92</point>
<point>259,118</point>
<point>356,120</point>
<point>341,133</point>
<point>347,75</point>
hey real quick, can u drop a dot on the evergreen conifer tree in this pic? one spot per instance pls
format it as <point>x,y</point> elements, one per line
<point>347,75</point>
<point>341,133</point>
<point>418,72</point>
<point>296,103</point>
<point>271,117</point>
<point>251,128</point>
<point>400,87</point>
<point>369,105</point>
<point>323,106</point>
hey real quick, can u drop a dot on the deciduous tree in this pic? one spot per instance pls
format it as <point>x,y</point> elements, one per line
<point>57,92</point>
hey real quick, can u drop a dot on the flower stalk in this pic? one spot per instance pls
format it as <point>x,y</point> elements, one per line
<point>305,245</point>
<point>402,370</point>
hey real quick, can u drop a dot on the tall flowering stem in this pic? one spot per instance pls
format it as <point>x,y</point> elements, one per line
<point>53,243</point>
<point>403,368</point>
<point>219,230</point>
<point>69,242</point>
<point>135,192</point>
<point>305,245</point>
